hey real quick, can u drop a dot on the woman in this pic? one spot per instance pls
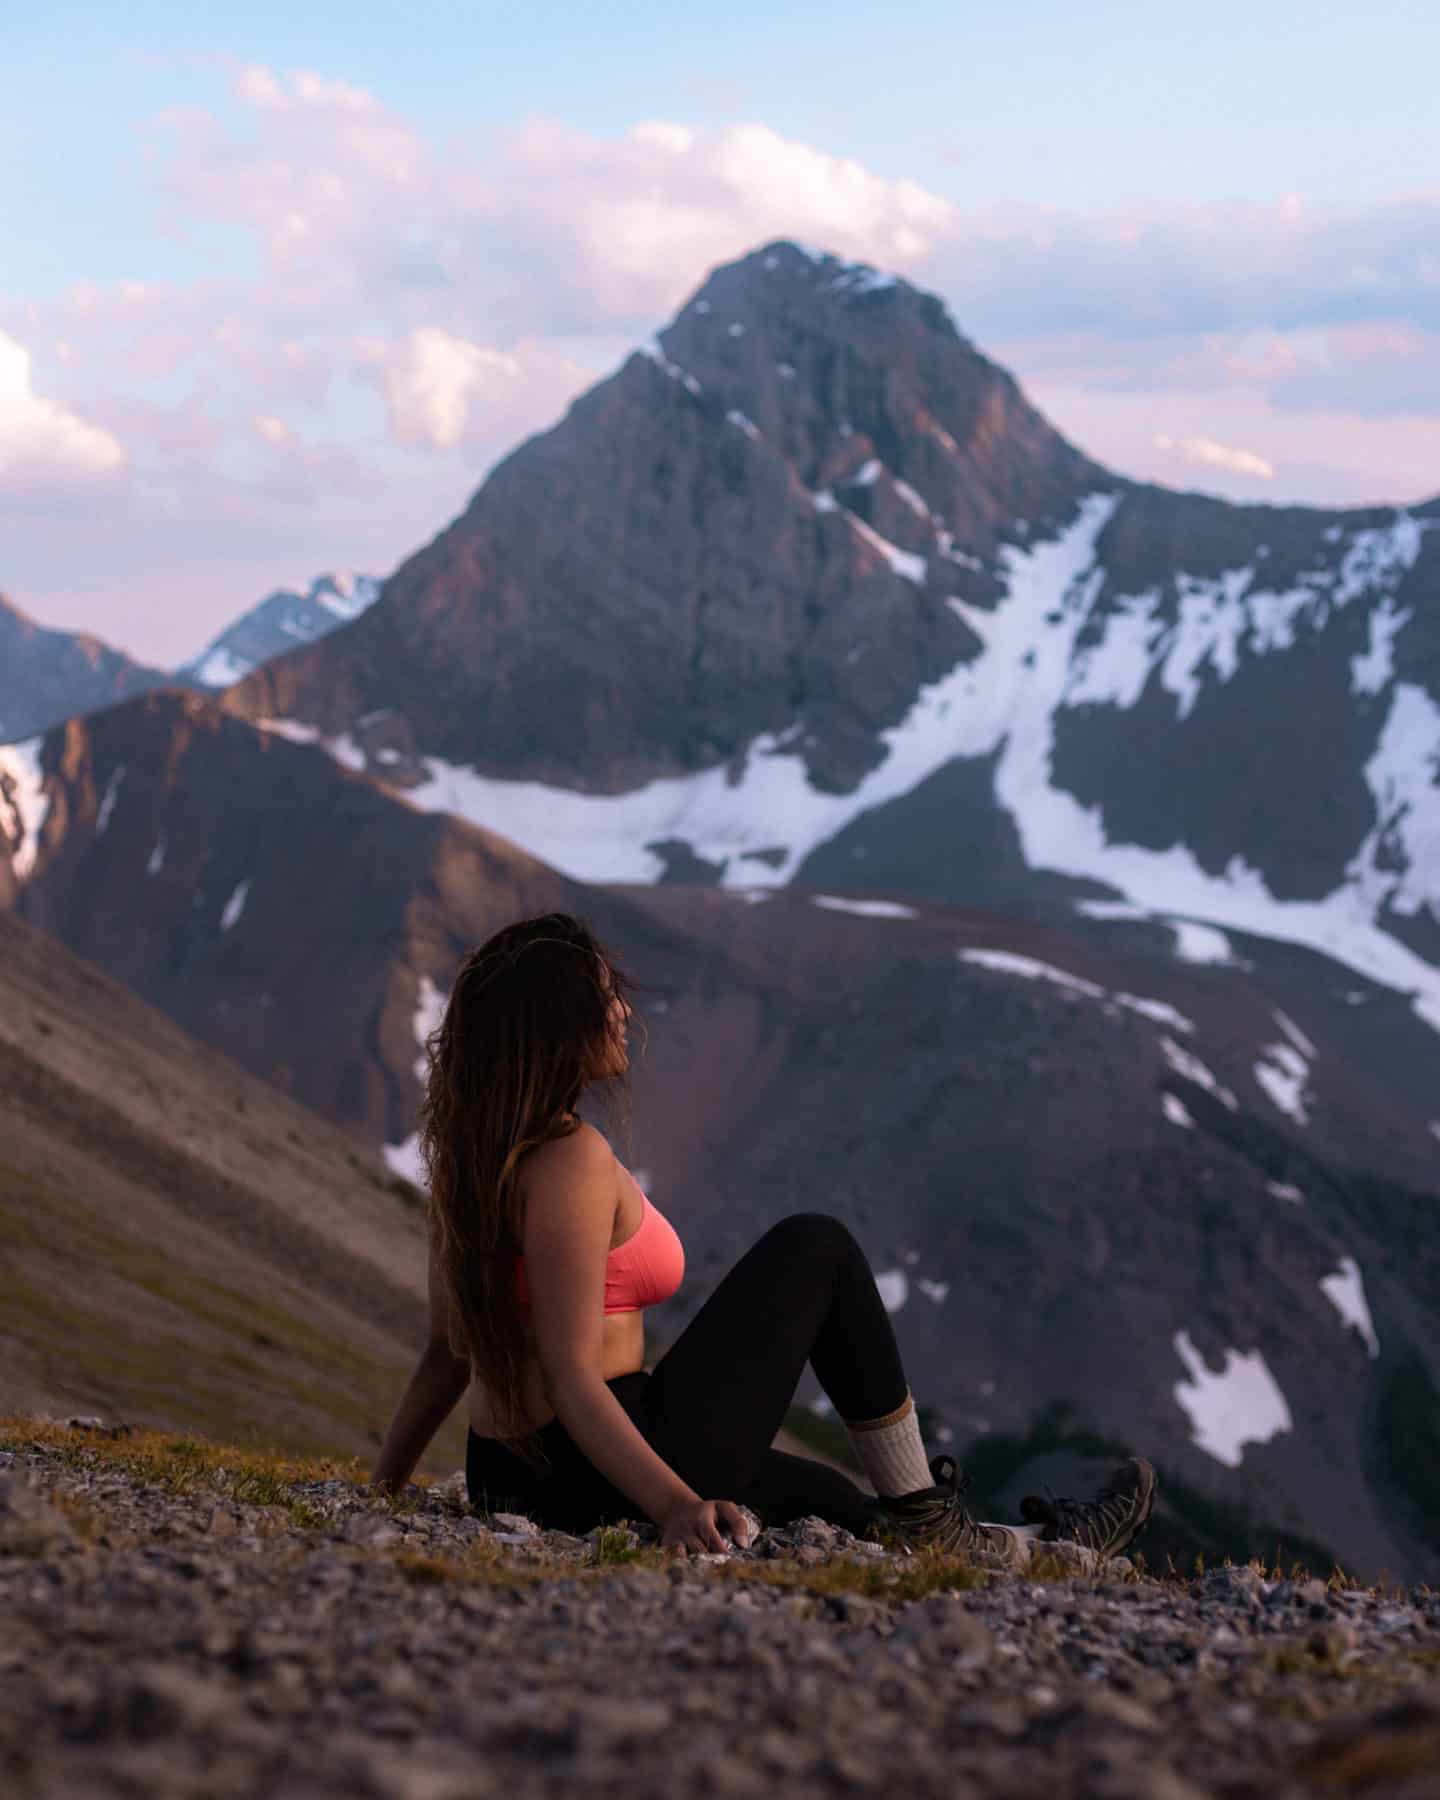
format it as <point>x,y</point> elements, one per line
<point>544,1254</point>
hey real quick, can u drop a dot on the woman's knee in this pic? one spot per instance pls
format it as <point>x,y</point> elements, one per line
<point>814,1234</point>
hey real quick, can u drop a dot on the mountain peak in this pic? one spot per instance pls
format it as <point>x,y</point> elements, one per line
<point>784,281</point>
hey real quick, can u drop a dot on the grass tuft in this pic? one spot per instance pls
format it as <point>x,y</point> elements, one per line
<point>613,1545</point>
<point>189,1466</point>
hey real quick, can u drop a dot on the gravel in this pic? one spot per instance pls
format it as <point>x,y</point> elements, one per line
<point>160,1644</point>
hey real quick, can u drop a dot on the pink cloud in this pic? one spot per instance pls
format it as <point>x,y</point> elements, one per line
<point>420,307</point>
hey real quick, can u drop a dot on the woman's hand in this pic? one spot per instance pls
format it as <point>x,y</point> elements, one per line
<point>695,1525</point>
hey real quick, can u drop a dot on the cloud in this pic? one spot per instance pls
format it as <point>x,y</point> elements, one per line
<point>1219,456</point>
<point>1376,365</point>
<point>542,228</point>
<point>273,431</point>
<point>43,446</point>
<point>420,305</point>
<point>1336,457</point>
<point>430,380</point>
<point>1192,270</point>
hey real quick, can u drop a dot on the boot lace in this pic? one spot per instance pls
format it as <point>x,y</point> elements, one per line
<point>1092,1522</point>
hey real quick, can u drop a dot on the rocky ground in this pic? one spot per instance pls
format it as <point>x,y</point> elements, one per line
<point>185,1620</point>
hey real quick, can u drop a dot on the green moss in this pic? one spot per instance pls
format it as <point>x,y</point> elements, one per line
<point>613,1545</point>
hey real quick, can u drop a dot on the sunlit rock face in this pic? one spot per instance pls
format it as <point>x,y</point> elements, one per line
<point>808,589</point>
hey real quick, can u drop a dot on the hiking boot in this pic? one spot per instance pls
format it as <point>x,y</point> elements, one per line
<point>934,1518</point>
<point>1108,1523</point>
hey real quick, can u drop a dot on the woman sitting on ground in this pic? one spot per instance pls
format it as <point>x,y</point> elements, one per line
<point>544,1253</point>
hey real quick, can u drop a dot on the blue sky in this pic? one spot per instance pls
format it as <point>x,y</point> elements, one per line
<point>1049,103</point>
<point>1204,239</point>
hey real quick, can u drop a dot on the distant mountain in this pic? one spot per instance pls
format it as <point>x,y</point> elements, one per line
<point>47,675</point>
<point>1104,999</point>
<point>812,593</point>
<point>278,624</point>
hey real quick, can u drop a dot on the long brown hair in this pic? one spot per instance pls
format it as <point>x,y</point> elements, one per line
<point>525,1030</point>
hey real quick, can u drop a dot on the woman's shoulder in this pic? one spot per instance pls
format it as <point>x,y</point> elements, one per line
<point>582,1154</point>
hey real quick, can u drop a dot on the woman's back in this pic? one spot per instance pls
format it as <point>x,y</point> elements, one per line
<point>623,1333</point>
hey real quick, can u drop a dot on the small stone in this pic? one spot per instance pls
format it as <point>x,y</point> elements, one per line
<point>516,1524</point>
<point>29,1524</point>
<point>1333,1642</point>
<point>375,1532</point>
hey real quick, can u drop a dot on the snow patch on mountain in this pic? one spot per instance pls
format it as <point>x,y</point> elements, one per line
<point>221,667</point>
<point>429,1013</point>
<point>346,594</point>
<point>894,1286</point>
<point>1197,943</point>
<point>284,618</point>
<point>107,803</point>
<point>1283,1074</point>
<point>1241,1405</point>
<point>1029,968</point>
<point>1176,1111</point>
<point>156,860</point>
<point>404,1159</point>
<point>343,749</point>
<point>1194,942</point>
<point>1190,1068</point>
<point>1008,962</point>
<point>234,906</point>
<point>1029,647</point>
<point>1372,672</point>
<point>1002,704</point>
<point>1296,1036</point>
<point>864,909</point>
<point>1398,865</point>
<point>1285,1190</point>
<point>1345,1290</point>
<point>903,562</point>
<point>1219,616</point>
<point>907,493</point>
<point>655,351</point>
<point>24,804</point>
<point>1159,1011</point>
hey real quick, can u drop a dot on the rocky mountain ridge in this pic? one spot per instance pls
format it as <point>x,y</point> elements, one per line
<point>810,593</point>
<point>48,676</point>
<point>279,622</point>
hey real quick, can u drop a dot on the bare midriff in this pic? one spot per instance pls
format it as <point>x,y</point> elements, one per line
<point>622,1340</point>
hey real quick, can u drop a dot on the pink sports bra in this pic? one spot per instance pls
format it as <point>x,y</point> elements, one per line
<point>648,1267</point>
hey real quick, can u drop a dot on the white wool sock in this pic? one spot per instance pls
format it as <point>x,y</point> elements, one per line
<point>890,1450</point>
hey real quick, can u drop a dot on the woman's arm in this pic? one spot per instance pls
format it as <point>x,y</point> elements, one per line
<point>570,1191</point>
<point>437,1383</point>
<point>439,1379</point>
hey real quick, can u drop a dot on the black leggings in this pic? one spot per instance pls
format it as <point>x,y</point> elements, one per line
<point>715,1400</point>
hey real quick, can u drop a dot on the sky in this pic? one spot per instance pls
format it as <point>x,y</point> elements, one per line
<point>281,283</point>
